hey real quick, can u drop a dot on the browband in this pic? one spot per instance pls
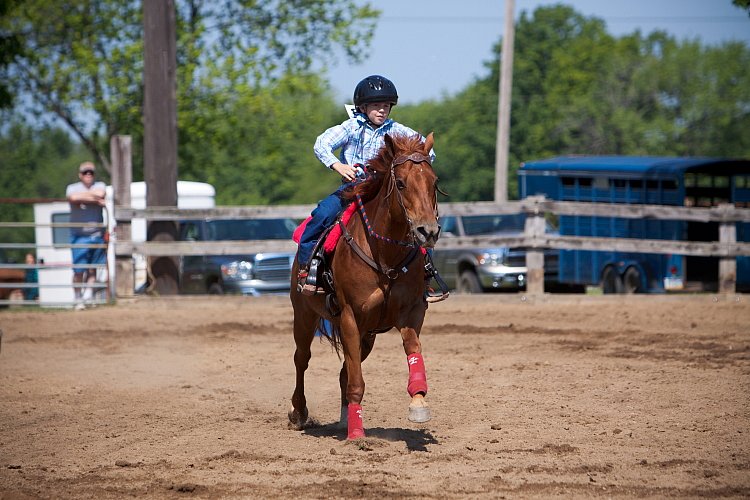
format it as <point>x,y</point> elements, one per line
<point>414,157</point>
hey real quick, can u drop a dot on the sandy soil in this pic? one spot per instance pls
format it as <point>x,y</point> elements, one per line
<point>558,396</point>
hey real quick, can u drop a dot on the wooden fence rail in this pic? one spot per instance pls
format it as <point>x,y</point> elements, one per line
<point>532,205</point>
<point>534,237</point>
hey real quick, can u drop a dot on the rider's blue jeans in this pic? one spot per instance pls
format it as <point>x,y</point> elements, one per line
<point>323,216</point>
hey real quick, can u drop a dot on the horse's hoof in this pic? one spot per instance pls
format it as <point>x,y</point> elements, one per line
<point>297,420</point>
<point>419,410</point>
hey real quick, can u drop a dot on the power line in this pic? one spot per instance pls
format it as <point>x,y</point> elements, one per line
<point>616,19</point>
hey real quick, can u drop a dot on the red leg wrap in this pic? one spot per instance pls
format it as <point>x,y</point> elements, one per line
<point>354,418</point>
<point>417,375</point>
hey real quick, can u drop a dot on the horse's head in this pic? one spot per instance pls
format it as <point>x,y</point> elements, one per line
<point>415,185</point>
<point>402,178</point>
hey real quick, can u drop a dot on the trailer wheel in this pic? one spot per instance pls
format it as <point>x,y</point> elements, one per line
<point>631,281</point>
<point>611,282</point>
<point>469,283</point>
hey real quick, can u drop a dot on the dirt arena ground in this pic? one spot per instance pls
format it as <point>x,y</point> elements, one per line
<point>644,397</point>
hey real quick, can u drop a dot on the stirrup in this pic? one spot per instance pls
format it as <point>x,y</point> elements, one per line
<point>306,286</point>
<point>431,273</point>
<point>431,296</point>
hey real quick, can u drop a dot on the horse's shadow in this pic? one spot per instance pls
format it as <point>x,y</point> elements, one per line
<point>415,439</point>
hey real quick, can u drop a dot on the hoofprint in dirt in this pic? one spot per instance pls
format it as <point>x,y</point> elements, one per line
<point>566,396</point>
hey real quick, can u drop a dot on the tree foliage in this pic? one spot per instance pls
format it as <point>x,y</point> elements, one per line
<point>81,61</point>
<point>743,4</point>
<point>10,47</point>
<point>247,122</point>
<point>35,163</point>
<point>256,147</point>
<point>579,90</point>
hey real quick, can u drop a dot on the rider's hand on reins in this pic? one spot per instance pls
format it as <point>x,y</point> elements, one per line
<point>346,171</point>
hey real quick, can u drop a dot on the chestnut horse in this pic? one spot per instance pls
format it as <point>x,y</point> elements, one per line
<point>379,279</point>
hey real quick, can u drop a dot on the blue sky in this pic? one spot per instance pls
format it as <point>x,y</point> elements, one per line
<point>430,48</point>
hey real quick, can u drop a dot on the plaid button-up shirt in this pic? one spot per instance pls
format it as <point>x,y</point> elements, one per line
<point>357,139</point>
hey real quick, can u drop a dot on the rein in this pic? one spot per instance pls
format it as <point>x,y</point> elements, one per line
<point>372,232</point>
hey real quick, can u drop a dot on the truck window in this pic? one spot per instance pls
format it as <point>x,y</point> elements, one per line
<point>251,229</point>
<point>190,231</point>
<point>448,226</point>
<point>488,224</point>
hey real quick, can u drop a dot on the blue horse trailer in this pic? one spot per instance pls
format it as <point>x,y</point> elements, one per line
<point>698,182</point>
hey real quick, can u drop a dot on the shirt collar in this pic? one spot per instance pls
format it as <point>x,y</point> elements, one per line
<point>362,121</point>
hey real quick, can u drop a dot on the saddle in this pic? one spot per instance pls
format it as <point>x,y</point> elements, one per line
<point>330,236</point>
<point>320,273</point>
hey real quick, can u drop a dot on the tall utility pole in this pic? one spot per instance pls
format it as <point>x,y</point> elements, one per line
<point>160,132</point>
<point>503,107</point>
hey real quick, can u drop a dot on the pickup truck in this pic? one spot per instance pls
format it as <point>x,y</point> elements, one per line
<point>250,274</point>
<point>482,269</point>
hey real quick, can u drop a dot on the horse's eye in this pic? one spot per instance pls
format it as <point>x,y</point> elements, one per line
<point>400,184</point>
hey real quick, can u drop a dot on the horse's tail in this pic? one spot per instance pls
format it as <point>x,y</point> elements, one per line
<point>332,333</point>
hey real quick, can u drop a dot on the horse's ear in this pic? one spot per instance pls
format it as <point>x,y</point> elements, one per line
<point>389,144</point>
<point>428,142</point>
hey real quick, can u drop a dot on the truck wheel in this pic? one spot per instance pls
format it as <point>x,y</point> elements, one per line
<point>631,281</point>
<point>469,283</point>
<point>611,282</point>
<point>215,289</point>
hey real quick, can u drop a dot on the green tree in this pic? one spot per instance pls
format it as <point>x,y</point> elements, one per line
<point>743,4</point>
<point>557,60</point>
<point>255,145</point>
<point>81,60</point>
<point>579,90</point>
<point>10,47</point>
<point>704,98</point>
<point>35,163</point>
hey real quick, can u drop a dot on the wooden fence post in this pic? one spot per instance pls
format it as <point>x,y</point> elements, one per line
<point>160,134</point>
<point>727,265</point>
<point>533,230</point>
<point>122,176</point>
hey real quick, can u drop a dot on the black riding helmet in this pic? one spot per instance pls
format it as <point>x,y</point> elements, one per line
<point>375,88</point>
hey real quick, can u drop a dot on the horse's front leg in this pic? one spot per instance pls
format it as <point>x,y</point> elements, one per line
<point>419,410</point>
<point>355,383</point>
<point>367,343</point>
<point>304,331</point>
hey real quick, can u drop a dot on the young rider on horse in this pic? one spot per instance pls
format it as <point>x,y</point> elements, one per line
<point>359,139</point>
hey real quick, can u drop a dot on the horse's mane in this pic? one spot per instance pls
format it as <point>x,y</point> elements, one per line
<point>379,166</point>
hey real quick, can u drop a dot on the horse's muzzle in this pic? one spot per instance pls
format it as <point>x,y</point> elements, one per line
<point>427,234</point>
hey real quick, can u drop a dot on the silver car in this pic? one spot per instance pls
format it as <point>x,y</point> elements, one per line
<point>480,269</point>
